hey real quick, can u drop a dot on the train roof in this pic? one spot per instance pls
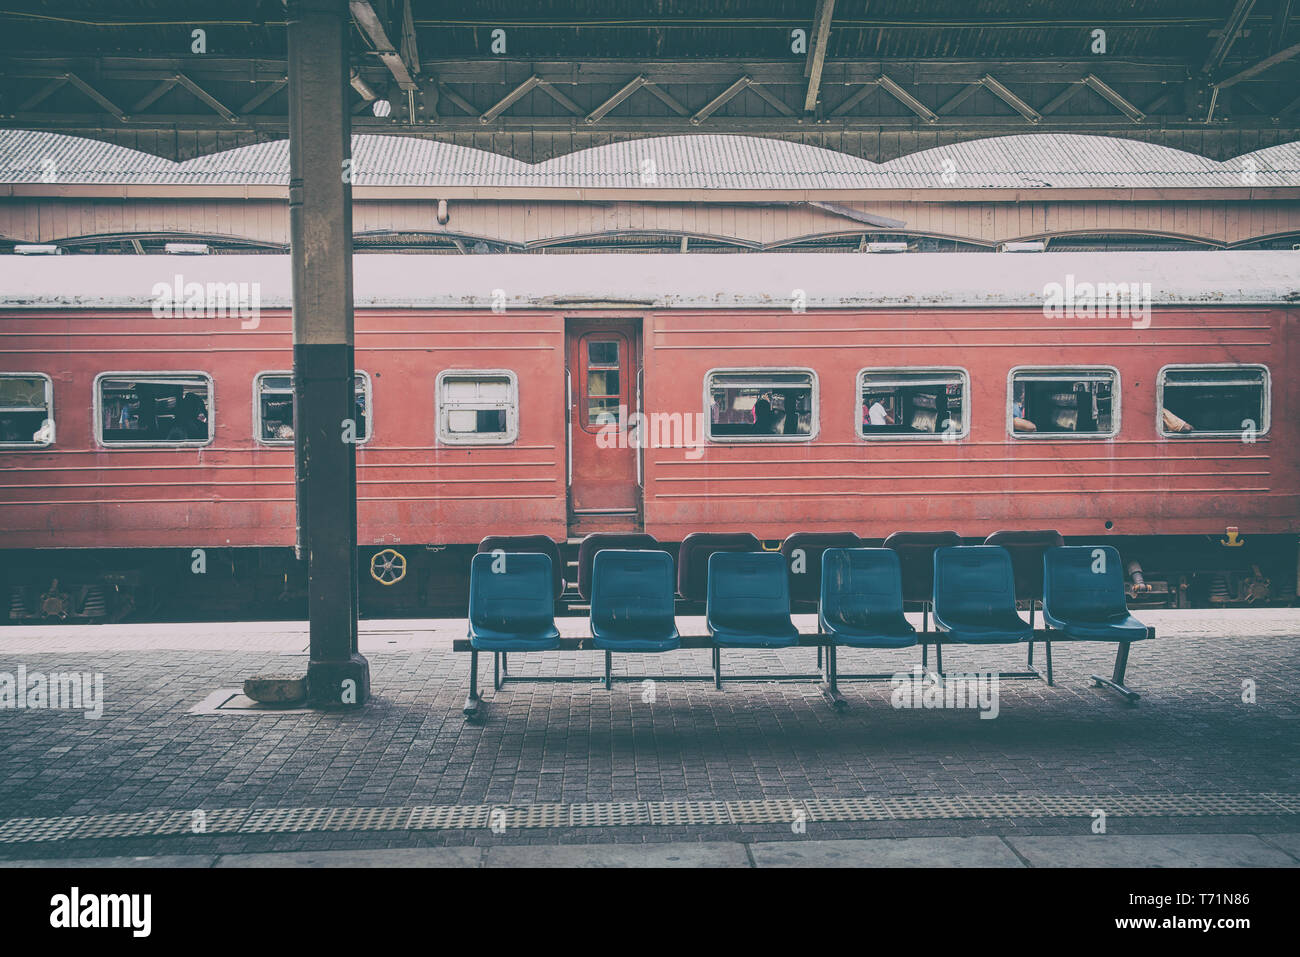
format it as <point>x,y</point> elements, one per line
<point>672,281</point>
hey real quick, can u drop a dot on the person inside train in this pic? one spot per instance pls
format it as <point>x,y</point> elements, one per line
<point>878,415</point>
<point>1173,423</point>
<point>191,420</point>
<point>1018,419</point>
<point>763,417</point>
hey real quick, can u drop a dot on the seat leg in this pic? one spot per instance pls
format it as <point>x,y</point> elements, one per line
<point>1047,646</point>
<point>717,669</point>
<point>938,657</point>
<point>1029,663</point>
<point>1116,681</point>
<point>474,702</point>
<point>831,684</point>
<point>609,660</point>
<point>925,630</point>
<point>819,658</point>
<point>496,671</point>
<point>505,668</point>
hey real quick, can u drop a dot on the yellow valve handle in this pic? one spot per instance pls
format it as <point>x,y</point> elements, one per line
<point>388,567</point>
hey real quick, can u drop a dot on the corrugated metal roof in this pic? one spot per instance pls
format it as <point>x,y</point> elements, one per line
<point>672,281</point>
<point>677,162</point>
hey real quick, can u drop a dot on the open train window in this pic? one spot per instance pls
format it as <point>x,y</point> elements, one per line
<point>761,404</point>
<point>913,403</point>
<point>1220,399</point>
<point>478,407</point>
<point>171,409</point>
<point>273,408</point>
<point>26,410</point>
<point>1063,403</point>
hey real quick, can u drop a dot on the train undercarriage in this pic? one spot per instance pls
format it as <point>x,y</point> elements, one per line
<point>397,581</point>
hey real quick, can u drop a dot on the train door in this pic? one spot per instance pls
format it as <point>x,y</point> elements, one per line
<point>603,369</point>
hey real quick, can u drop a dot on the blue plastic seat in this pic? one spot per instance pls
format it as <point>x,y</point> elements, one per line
<point>862,598</point>
<point>632,601</point>
<point>975,596</point>
<point>1083,595</point>
<point>749,600</point>
<point>513,607</point>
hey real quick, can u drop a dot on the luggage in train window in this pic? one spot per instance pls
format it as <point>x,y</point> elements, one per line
<point>1055,401</point>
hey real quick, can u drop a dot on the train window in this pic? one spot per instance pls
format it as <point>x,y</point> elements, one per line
<point>1213,400</point>
<point>761,404</point>
<point>604,396</point>
<point>913,403</point>
<point>26,410</point>
<point>153,408</point>
<point>1063,403</point>
<point>478,407</point>
<point>273,408</point>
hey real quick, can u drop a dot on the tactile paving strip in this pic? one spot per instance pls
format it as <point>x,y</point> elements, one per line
<point>21,830</point>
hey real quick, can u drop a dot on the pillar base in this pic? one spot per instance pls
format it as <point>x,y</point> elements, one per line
<point>343,683</point>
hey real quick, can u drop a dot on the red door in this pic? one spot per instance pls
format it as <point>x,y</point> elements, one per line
<point>603,369</point>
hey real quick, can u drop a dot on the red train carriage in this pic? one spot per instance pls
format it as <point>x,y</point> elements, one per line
<point>1140,398</point>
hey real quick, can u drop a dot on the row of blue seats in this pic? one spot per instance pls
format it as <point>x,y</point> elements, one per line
<point>511,604</point>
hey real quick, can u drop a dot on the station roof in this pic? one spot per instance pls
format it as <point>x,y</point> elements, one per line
<point>701,162</point>
<point>876,79</point>
<point>659,281</point>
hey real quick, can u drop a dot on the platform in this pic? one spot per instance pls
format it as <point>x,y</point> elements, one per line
<point>754,764</point>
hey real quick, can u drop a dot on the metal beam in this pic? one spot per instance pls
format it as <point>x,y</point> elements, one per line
<point>153,95</point>
<point>868,87</point>
<point>40,95</point>
<point>206,97</point>
<point>266,93</point>
<point>996,87</point>
<point>907,99</point>
<point>560,98</point>
<point>631,87</point>
<point>816,60</point>
<point>1228,36</point>
<point>373,28</point>
<point>958,98</point>
<point>446,91</point>
<point>95,95</point>
<point>767,97</point>
<point>1259,66</point>
<point>667,99</point>
<point>320,217</point>
<point>708,109</point>
<point>410,49</point>
<point>1109,95</point>
<point>1056,102</point>
<point>522,90</point>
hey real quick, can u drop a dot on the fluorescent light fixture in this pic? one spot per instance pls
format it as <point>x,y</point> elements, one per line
<point>1033,246</point>
<point>886,247</point>
<point>187,249</point>
<point>32,250</point>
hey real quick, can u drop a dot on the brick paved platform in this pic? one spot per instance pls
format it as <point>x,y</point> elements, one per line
<point>730,766</point>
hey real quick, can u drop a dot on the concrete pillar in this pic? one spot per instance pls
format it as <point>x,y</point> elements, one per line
<point>320,215</point>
